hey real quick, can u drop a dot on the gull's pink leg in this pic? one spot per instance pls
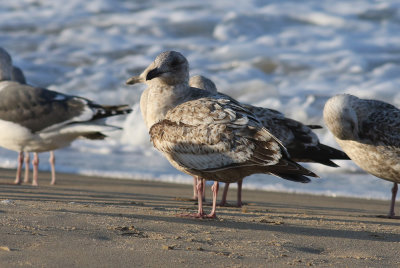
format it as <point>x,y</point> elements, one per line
<point>394,193</point>
<point>239,193</point>
<point>27,160</point>
<point>203,193</point>
<point>200,187</point>
<point>200,212</point>
<point>224,195</point>
<point>52,161</point>
<point>19,167</point>
<point>35,163</point>
<point>194,188</point>
<point>214,189</point>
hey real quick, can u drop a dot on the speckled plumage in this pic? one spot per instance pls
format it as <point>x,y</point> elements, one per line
<point>209,134</point>
<point>371,137</point>
<point>368,131</point>
<point>299,139</point>
<point>301,142</point>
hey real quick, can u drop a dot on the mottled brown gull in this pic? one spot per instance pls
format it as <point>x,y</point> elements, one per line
<point>35,119</point>
<point>369,132</point>
<point>207,134</point>
<point>301,142</point>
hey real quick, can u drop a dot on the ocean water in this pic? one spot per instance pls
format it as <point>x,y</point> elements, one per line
<point>287,55</point>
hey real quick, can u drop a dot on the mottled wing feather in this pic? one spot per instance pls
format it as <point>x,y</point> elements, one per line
<point>382,126</point>
<point>213,134</point>
<point>299,139</point>
<point>290,132</point>
<point>193,148</point>
<point>303,144</point>
<point>218,109</point>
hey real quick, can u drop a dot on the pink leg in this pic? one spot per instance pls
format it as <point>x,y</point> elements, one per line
<point>194,188</point>
<point>200,212</point>
<point>239,194</point>
<point>203,193</point>
<point>52,161</point>
<point>200,186</point>
<point>35,163</point>
<point>27,160</point>
<point>224,195</point>
<point>214,189</point>
<point>19,167</point>
<point>394,193</point>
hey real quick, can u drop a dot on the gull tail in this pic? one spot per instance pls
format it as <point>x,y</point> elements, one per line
<point>112,110</point>
<point>321,154</point>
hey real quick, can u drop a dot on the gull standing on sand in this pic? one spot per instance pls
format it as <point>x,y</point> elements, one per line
<point>143,108</point>
<point>207,134</point>
<point>18,76</point>
<point>301,142</point>
<point>369,132</point>
<point>35,119</point>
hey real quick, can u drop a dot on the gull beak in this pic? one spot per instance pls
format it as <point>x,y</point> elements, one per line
<point>134,80</point>
<point>153,74</point>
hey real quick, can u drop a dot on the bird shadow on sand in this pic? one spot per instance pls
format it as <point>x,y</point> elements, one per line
<point>246,225</point>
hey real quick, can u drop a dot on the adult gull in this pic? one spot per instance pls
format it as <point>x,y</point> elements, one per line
<point>18,75</point>
<point>34,119</point>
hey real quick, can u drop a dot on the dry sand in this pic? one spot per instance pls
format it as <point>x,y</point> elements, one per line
<point>99,222</point>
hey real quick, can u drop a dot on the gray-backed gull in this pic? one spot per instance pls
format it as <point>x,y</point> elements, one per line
<point>18,76</point>
<point>35,119</point>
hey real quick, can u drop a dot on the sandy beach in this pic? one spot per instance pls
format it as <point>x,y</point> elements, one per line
<point>101,222</point>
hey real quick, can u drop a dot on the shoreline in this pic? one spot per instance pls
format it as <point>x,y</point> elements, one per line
<point>86,221</point>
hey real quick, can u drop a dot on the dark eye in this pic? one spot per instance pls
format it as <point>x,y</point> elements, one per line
<point>175,62</point>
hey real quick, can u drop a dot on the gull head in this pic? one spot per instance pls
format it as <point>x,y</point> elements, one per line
<point>18,75</point>
<point>170,68</point>
<point>5,65</point>
<point>202,82</point>
<point>341,118</point>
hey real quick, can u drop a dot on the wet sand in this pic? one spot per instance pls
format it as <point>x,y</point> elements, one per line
<point>100,222</point>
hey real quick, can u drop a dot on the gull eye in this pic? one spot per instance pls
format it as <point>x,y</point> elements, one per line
<point>175,62</point>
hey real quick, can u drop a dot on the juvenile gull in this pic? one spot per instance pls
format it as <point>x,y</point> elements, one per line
<point>369,132</point>
<point>207,134</point>
<point>301,142</point>
<point>35,119</point>
<point>299,139</point>
<point>199,81</point>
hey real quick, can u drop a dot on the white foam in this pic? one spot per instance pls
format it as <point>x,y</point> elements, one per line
<point>281,54</point>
